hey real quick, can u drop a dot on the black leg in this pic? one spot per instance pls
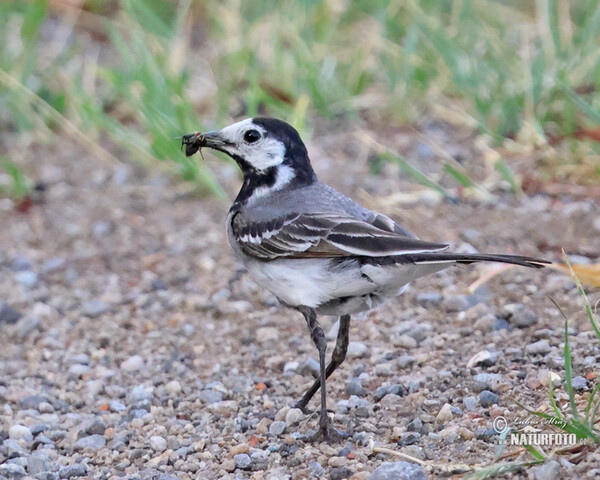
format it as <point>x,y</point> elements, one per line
<point>318,338</point>
<point>337,358</point>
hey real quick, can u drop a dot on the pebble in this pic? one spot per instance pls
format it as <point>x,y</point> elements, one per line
<point>404,341</point>
<point>354,387</point>
<point>95,426</point>
<point>316,469</point>
<point>541,347</point>
<point>25,326</point>
<point>415,425</point>
<point>405,361</point>
<point>445,413</point>
<point>519,315</point>
<point>210,396</point>
<point>460,302</point>
<point>27,278</point>
<point>399,471</point>
<point>290,368</point>
<point>487,398</point>
<point>339,473</point>
<point>94,308</point>
<point>579,383</point>
<point>38,462</point>
<point>173,387</point>
<point>548,471</point>
<point>95,442</point>
<point>338,461</point>
<point>484,358</point>
<point>20,432</point>
<point>158,443</point>
<point>293,416</point>
<point>242,461</point>
<point>70,471</point>
<point>381,392</point>
<point>12,470</point>
<point>470,403</point>
<point>8,314</point>
<point>310,367</point>
<point>132,364</point>
<point>356,350</point>
<point>427,299</point>
<point>277,428</point>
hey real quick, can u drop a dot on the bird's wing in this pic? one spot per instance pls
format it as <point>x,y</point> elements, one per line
<point>323,235</point>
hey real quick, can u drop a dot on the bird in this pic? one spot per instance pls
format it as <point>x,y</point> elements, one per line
<point>315,249</point>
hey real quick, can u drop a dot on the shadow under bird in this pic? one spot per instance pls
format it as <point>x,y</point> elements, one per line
<point>316,250</point>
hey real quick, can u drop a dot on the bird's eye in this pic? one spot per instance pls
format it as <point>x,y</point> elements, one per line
<point>252,136</point>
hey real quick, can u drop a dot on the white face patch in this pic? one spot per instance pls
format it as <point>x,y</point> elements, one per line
<point>262,154</point>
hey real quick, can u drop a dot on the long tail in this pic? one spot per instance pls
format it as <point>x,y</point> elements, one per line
<point>425,258</point>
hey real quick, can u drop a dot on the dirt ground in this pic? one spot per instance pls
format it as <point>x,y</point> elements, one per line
<point>129,350</point>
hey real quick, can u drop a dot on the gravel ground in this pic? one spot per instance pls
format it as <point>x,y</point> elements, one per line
<point>130,350</point>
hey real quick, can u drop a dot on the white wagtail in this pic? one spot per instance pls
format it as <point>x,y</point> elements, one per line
<point>315,249</point>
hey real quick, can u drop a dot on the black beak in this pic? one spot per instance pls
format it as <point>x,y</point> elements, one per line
<point>195,141</point>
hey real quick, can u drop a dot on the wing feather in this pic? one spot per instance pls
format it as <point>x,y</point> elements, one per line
<point>325,235</point>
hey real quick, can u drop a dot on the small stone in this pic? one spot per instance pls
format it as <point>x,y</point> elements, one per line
<point>487,398</point>
<point>354,387</point>
<point>277,428</point>
<point>132,364</point>
<point>293,416</point>
<point>173,387</point>
<point>519,315</point>
<point>399,471</point>
<point>579,383</point>
<point>405,341</point>
<point>310,367</point>
<point>415,425</point>
<point>338,461</point>
<point>405,361</point>
<point>8,315</point>
<point>242,461</point>
<point>445,413</point>
<point>316,469</point>
<point>25,326</point>
<point>95,442</point>
<point>339,473</point>
<point>356,350</point>
<point>38,462</point>
<point>237,449</point>
<point>427,299</point>
<point>70,471</point>
<point>381,392</point>
<point>27,278</point>
<point>548,471</point>
<point>460,302</point>
<point>158,443</point>
<point>470,403</point>
<point>541,347</point>
<point>94,308</point>
<point>290,368</point>
<point>485,358</point>
<point>95,426</point>
<point>12,470</point>
<point>20,432</point>
<point>117,406</point>
<point>210,396</point>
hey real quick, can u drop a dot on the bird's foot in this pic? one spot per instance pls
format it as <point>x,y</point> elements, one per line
<point>325,432</point>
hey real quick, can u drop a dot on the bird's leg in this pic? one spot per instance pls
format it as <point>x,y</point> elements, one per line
<point>337,358</point>
<point>318,338</point>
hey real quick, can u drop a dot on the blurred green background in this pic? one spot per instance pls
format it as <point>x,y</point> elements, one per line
<point>124,78</point>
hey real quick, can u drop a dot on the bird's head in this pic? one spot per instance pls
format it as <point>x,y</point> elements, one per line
<point>270,153</point>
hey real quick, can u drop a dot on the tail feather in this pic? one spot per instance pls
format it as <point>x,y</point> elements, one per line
<point>424,258</point>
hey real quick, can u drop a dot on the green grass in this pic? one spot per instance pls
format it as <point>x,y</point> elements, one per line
<point>517,73</point>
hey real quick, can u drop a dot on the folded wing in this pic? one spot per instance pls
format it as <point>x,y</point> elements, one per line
<point>324,235</point>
